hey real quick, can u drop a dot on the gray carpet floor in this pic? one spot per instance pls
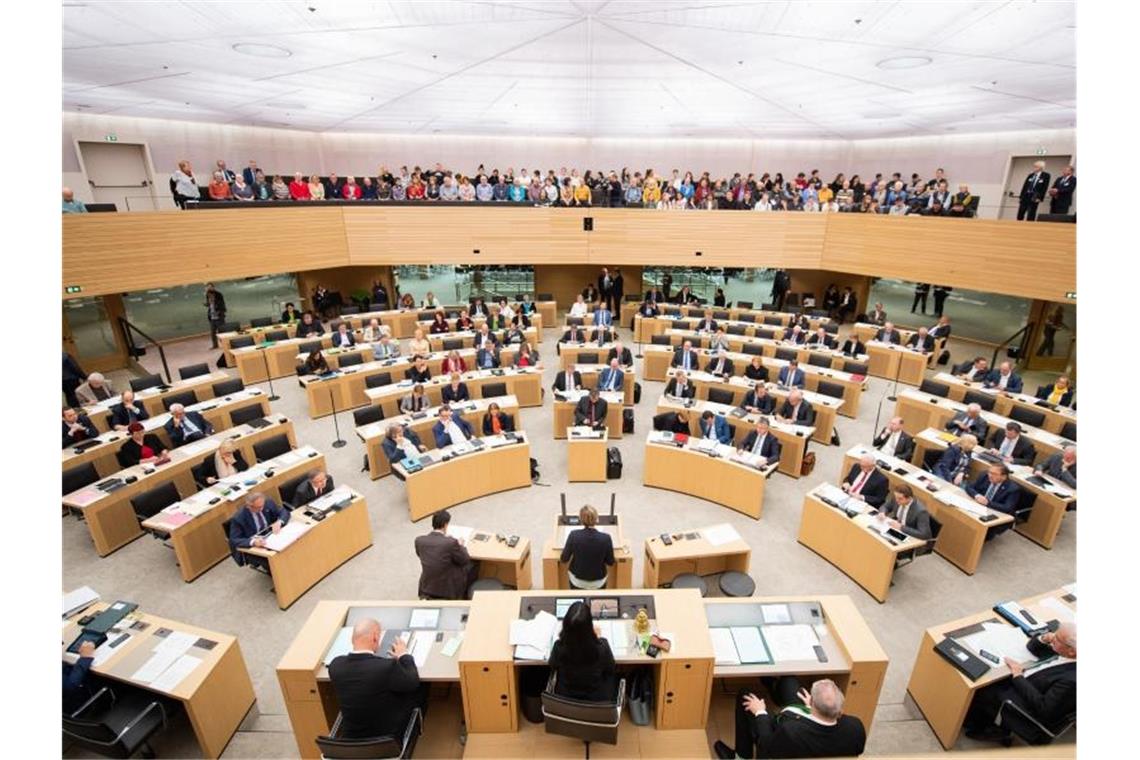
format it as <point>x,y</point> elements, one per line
<point>233,600</point>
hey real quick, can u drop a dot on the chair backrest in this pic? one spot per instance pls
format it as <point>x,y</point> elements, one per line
<point>984,400</point>
<point>452,344</point>
<point>771,320</point>
<point>288,489</point>
<point>826,388</point>
<point>204,469</point>
<point>366,415</point>
<point>261,321</point>
<point>491,390</point>
<point>144,382</point>
<point>819,360</point>
<point>832,328</point>
<point>855,368</point>
<point>271,447</point>
<point>309,347</point>
<point>226,387</point>
<point>766,334</point>
<point>350,309</point>
<point>752,348</point>
<point>575,321</point>
<point>229,327</point>
<point>720,314</point>
<point>787,354</point>
<point>935,388</point>
<point>186,398</point>
<point>1069,430</point>
<point>1030,417</point>
<point>720,396</point>
<point>277,335</point>
<point>544,297</point>
<point>426,315</point>
<point>244,414</point>
<point>382,306</point>
<point>664,421</point>
<point>378,380</point>
<point>350,360</point>
<point>736,329</point>
<point>747,318</point>
<point>334,326</point>
<point>78,477</point>
<point>659,340</point>
<point>193,370</point>
<point>588,357</point>
<point>579,719</point>
<point>241,341</point>
<point>744,305</point>
<point>150,503</point>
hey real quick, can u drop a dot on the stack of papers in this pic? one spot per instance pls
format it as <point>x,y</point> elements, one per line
<point>424,618</point>
<point>776,614</point>
<point>79,599</point>
<point>617,633</point>
<point>460,532</point>
<point>791,642</point>
<point>750,645</point>
<point>197,447</point>
<point>724,648</point>
<point>532,639</point>
<point>324,503</point>
<point>1062,611</point>
<point>289,533</point>
<point>420,646</point>
<point>832,492</point>
<point>718,535</point>
<point>1000,640</point>
<point>169,664</point>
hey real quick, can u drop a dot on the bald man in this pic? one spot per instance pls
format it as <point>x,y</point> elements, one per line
<point>376,691</point>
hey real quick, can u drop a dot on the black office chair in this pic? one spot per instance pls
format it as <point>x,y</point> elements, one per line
<point>350,360</point>
<point>116,724</point>
<point>241,341</point>
<point>381,306</point>
<point>244,414</point>
<point>277,335</point>
<point>491,390</point>
<point>664,421</point>
<point>819,360</point>
<point>818,313</point>
<point>659,340</point>
<point>426,315</point>
<point>719,314</point>
<point>452,344</point>
<point>271,447</point>
<point>930,458</point>
<point>194,370</point>
<point>544,297</point>
<point>855,368</point>
<point>1069,431</point>
<point>144,382</point>
<point>225,327</point>
<point>826,388</point>
<point>379,380</point>
<point>720,396</point>
<point>744,304</point>
<point>984,400</point>
<point>367,415</point>
<point>1025,416</point>
<point>754,349</point>
<point>228,387</point>
<point>150,503</point>
<point>682,324</point>
<point>765,334</point>
<point>204,470</point>
<point>350,309</point>
<point>261,322</point>
<point>672,311</point>
<point>588,357</point>
<point>1016,721</point>
<point>579,719</point>
<point>1025,501</point>
<point>831,328</point>
<point>79,477</point>
<point>787,354</point>
<point>575,321</point>
<point>751,318</point>
<point>736,329</point>
<point>771,320</point>
<point>935,388</point>
<point>309,347</point>
<point>905,558</point>
<point>186,398</point>
<point>288,491</point>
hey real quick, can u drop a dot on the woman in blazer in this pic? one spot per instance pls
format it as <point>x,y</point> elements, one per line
<point>496,421</point>
<point>526,356</point>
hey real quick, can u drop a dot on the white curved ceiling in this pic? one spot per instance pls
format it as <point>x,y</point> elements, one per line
<point>589,68</point>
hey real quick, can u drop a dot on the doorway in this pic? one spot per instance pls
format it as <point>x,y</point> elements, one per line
<point>1021,167</point>
<point>118,173</point>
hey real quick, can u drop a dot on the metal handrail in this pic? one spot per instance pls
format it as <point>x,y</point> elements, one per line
<point>1024,332</point>
<point>127,327</point>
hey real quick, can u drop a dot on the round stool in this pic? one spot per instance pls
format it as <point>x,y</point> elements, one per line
<point>691,580</point>
<point>485,584</point>
<point>733,583</point>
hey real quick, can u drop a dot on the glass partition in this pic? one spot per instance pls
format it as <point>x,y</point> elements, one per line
<point>90,328</point>
<point>986,317</point>
<point>753,285</point>
<point>460,283</point>
<point>180,311</point>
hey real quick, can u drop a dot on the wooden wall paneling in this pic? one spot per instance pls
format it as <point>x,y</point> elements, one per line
<point>346,280</point>
<point>816,281</point>
<point>566,281</point>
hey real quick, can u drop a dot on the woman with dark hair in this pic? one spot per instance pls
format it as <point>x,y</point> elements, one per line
<point>439,323</point>
<point>582,661</point>
<point>315,364</point>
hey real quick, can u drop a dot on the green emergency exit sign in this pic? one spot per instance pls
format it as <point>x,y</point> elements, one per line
<point>1072,295</point>
<point>70,289</point>
<point>111,138</point>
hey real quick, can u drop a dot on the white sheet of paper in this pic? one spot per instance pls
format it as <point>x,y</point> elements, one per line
<point>460,532</point>
<point>177,642</point>
<point>533,636</point>
<point>154,666</point>
<point>104,651</point>
<point>750,645</point>
<point>451,646</point>
<point>1071,588</point>
<point>790,642</point>
<point>999,640</point>
<point>421,646</point>
<point>424,618</point>
<point>724,648</point>
<point>289,533</point>
<point>831,491</point>
<point>78,599</point>
<point>1063,612</point>
<point>342,644</point>
<point>719,535</point>
<point>776,614</point>
<point>176,673</point>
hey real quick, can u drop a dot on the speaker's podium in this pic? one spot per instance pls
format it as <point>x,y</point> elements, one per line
<point>555,573</point>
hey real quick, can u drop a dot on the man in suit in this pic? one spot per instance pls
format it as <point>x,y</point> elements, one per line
<point>715,427</point>
<point>654,296</point>
<point>618,289</point>
<point>343,338</point>
<point>496,421</point>
<point>567,380</point>
<point>941,331</point>
<point>1061,194</point>
<point>574,334</point>
<point>252,522</point>
<point>249,173</point>
<point>1062,466</point>
<point>941,292</point>
<point>621,353</point>
<point>377,694</point>
<point>954,464</point>
<point>795,335</point>
<point>969,421</point>
<point>821,339</point>
<point>456,391</point>
<point>853,346</point>
<point>848,304</point>
<point>721,366</point>
<point>877,316</point>
<point>995,490</point>
<point>603,317</point>
<point>419,372</point>
<point>93,391</point>
<point>888,334</point>
<point>707,324</point>
<point>611,378</point>
<point>921,341</point>
<point>1046,690</point>
<point>679,386</point>
<point>906,514</point>
<point>485,338</point>
<point>780,287</point>
<point>386,348</point>
<point>447,570</point>
<point>73,377</point>
<point>795,409</point>
<point>591,411</point>
<point>791,375</point>
<point>450,428</point>
<point>894,441</point>
<point>602,335</point>
<point>1004,378</point>
<point>76,427</point>
<point>758,401</point>
<point>647,310</point>
<point>865,482</point>
<point>76,690</point>
<point>127,411</point>
<point>761,441</point>
<point>685,357</point>
<point>921,290</point>
<point>317,484</point>
<point>400,442</point>
<point>186,427</point>
<point>1012,446</point>
<point>487,358</point>
<point>1033,191</point>
<point>974,371</point>
<point>606,288</point>
<point>309,326</point>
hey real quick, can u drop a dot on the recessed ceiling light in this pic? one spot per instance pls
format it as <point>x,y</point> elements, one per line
<point>905,62</point>
<point>261,50</point>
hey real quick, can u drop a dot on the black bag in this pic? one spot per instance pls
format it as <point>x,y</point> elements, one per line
<point>637,393</point>
<point>534,474</point>
<point>365,467</point>
<point>943,358</point>
<point>640,698</point>
<point>221,362</point>
<point>613,463</point>
<point>626,421</point>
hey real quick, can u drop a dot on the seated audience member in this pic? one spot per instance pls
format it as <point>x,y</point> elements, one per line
<point>485,338</point>
<point>299,188</point>
<point>351,191</point>
<point>1061,466</point>
<point>453,363</point>
<point>581,660</point>
<point>407,302</point>
<point>954,464</point>
<point>567,380</point>
<point>758,400</point>
<point>141,447</point>
<point>315,363</point>
<point>290,314</point>
<point>921,341</point>
<point>795,409</point>
<point>439,324</point>
<point>385,348</point>
<point>821,339</point>
<point>128,410</point>
<point>419,372</point>
<point>76,690</point>
<point>602,335</point>
<point>905,513</point>
<point>416,401</point>
<point>1057,393</point>
<point>1012,446</point>
<point>1047,693</point>
<point>941,330</point>
<point>241,191</point>
<point>451,428</point>
<point>810,725</point>
<point>219,189</point>
<point>961,202</point>
<point>228,461</point>
<point>479,308</point>
<point>455,391</point>
<point>186,427</point>
<point>995,490</point>
<point>343,338</point>
<point>70,205</point>
<point>877,316</point>
<point>761,441</point>
<point>679,386</point>
<point>621,353</point>
<point>720,365</point>
<point>685,357</point>
<point>974,371</point>
<point>707,324</point>
<point>603,317</point>
<point>591,410</point>
<point>374,331</point>
<point>310,325</point>
<point>419,345</point>
<point>464,323</point>
<point>96,389</point>
<point>497,421</point>
<point>400,442</point>
<point>756,371</point>
<point>514,334</point>
<point>865,482</point>
<point>969,421</point>
<point>253,522</point>
<point>316,485</point>
<point>574,334</point>
<point>888,334</point>
<point>579,307</point>
<point>446,569</point>
<point>718,343</point>
<point>280,189</point>
<point>791,376</point>
<point>316,188</point>
<point>795,335</point>
<point>1004,378</point>
<point>715,427</point>
<point>589,552</point>
<point>894,441</point>
<point>648,309</point>
<point>853,346</point>
<point>611,378</point>
<point>488,357</point>
<point>376,691</point>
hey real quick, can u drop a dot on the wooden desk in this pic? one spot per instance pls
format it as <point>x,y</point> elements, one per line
<point>691,552</point>
<point>730,479</point>
<point>462,478</point>
<point>467,337</point>
<point>888,360</point>
<point>280,357</point>
<point>489,672</point>
<point>657,360</point>
<point>473,411</point>
<point>509,564</point>
<point>963,532</point>
<point>1049,506</point>
<point>216,695</point>
<point>152,398</point>
<point>555,573</point>
<point>867,332</point>
<point>1055,417</point>
<point>225,339</point>
<point>941,691</point>
<point>771,347</point>
<point>793,438</point>
<point>853,544</point>
<point>109,516</point>
<point>564,412</point>
<point>586,456</point>
<point>334,355</point>
<point>524,384</point>
<point>477,323</point>
<point>568,353</point>
<point>591,372</point>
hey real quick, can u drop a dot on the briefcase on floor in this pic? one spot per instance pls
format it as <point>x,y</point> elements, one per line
<point>626,421</point>
<point>808,463</point>
<point>613,463</point>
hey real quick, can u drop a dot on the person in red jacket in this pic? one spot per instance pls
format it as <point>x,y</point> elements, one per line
<point>299,188</point>
<point>350,191</point>
<point>416,189</point>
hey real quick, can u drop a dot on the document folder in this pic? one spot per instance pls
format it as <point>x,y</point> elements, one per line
<point>962,659</point>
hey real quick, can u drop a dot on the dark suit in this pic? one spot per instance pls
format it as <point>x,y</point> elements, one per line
<point>1049,695</point>
<point>452,394</point>
<point>720,429</point>
<point>827,342</point>
<point>769,449</point>
<point>853,347</point>
<point>447,567</point>
<point>775,734</point>
<point>338,340</point>
<point>178,433</point>
<point>797,338</point>
<point>904,449</point>
<point>602,335</point>
<point>917,522</point>
<point>376,694</point>
<point>304,330</point>
<point>1013,384</point>
<point>1023,452</point>
<point>625,360</point>
<point>130,453</point>
<point>688,390</point>
<point>874,491</point>
<point>881,335</point>
<point>1004,498</point>
<point>574,335</point>
<point>243,528</point>
<point>560,380</point>
<point>75,688</point>
<point>721,365</point>
<point>487,358</point>
<point>394,452</point>
<point>89,431</point>
<point>965,367</point>
<point>589,552</point>
<point>803,417</point>
<point>940,333</point>
<point>123,415</point>
<point>926,344</point>
<point>877,317</point>
<point>976,427</point>
<point>1065,186</point>
<point>1032,192</point>
<point>1045,391</point>
<point>786,377</point>
<point>759,374</point>
<point>679,359</point>
<point>708,325</point>
<point>766,405</point>
<point>306,493</point>
<point>506,423</point>
<point>443,437</point>
<point>582,412</point>
<point>1054,467</point>
<point>952,461</point>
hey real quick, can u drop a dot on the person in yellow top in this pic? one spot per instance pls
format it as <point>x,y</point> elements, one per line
<point>650,192</point>
<point>826,195</point>
<point>582,194</point>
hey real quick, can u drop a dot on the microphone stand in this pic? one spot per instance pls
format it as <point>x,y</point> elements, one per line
<point>269,376</point>
<point>339,442</point>
<point>898,371</point>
